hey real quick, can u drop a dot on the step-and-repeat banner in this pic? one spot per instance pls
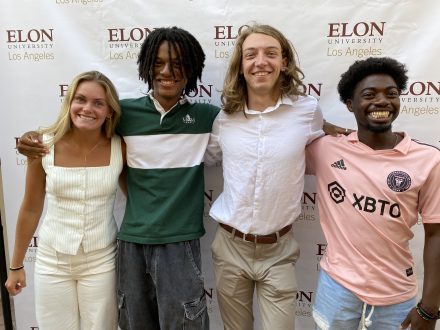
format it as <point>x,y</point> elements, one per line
<point>44,44</point>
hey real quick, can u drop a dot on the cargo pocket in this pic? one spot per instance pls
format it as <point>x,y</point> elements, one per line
<point>196,315</point>
<point>122,312</point>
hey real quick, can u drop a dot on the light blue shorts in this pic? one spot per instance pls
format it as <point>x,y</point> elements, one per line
<point>337,308</point>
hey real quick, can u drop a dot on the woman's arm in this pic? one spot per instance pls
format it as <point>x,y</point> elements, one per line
<point>27,222</point>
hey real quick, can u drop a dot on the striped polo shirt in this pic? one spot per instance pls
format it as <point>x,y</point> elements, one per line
<point>165,169</point>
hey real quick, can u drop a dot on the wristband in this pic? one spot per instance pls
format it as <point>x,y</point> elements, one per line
<point>426,315</point>
<point>16,268</point>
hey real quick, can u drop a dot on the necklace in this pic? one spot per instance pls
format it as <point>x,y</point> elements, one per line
<point>88,152</point>
<point>94,147</point>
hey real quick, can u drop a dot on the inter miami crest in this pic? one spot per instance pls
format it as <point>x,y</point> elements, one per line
<point>398,181</point>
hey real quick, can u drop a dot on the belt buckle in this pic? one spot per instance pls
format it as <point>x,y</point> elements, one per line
<point>248,237</point>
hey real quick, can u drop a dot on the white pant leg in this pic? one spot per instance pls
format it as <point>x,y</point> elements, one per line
<point>56,299</point>
<point>54,295</point>
<point>73,292</point>
<point>96,287</point>
<point>98,306</point>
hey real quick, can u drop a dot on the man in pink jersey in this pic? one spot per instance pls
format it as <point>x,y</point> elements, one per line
<point>372,184</point>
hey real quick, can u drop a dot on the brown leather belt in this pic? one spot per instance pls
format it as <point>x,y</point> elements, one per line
<point>260,239</point>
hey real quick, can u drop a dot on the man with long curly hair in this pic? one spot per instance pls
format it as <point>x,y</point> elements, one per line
<point>261,135</point>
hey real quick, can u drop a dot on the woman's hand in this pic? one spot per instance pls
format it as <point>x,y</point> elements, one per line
<point>16,281</point>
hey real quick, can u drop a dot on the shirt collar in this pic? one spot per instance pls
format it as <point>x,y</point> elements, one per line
<point>402,147</point>
<point>281,101</point>
<point>159,107</point>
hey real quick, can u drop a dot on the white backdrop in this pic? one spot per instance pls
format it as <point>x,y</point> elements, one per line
<point>45,43</point>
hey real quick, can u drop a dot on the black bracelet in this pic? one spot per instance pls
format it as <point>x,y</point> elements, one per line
<point>421,314</point>
<point>426,315</point>
<point>16,268</point>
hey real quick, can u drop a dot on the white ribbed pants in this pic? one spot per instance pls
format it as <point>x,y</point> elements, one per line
<point>76,292</point>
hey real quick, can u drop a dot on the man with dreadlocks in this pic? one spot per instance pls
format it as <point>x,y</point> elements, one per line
<point>160,285</point>
<point>159,261</point>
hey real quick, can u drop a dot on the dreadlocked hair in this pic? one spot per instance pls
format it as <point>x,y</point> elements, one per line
<point>190,53</point>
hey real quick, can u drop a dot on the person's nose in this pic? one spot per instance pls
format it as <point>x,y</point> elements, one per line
<point>260,59</point>
<point>381,100</point>
<point>87,106</point>
<point>166,69</point>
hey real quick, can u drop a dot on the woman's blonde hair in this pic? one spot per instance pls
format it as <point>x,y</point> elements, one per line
<point>63,124</point>
<point>234,93</point>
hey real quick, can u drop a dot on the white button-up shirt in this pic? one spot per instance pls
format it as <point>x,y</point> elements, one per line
<point>263,163</point>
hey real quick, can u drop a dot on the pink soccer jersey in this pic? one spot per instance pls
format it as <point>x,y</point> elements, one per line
<point>368,201</point>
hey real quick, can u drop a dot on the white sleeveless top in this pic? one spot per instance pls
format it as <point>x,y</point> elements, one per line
<point>80,204</point>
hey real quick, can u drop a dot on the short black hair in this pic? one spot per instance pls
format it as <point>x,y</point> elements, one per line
<point>190,53</point>
<point>372,65</point>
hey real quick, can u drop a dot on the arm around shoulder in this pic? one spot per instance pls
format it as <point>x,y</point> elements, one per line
<point>31,145</point>
<point>334,130</point>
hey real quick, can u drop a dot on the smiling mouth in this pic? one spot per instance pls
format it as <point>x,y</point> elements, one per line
<point>86,117</point>
<point>167,83</point>
<point>260,74</point>
<point>379,114</point>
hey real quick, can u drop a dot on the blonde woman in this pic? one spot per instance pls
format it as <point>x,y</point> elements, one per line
<point>75,267</point>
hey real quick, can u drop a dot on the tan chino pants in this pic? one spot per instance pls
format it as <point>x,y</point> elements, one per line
<point>241,266</point>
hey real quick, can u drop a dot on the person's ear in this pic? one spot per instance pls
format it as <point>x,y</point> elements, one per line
<point>284,65</point>
<point>349,104</point>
